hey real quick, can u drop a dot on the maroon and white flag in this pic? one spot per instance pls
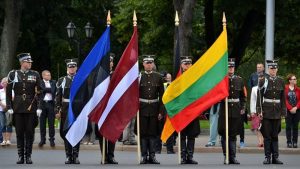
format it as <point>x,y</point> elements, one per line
<point>121,101</point>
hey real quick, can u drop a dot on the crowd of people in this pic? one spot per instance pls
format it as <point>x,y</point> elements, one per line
<point>26,100</point>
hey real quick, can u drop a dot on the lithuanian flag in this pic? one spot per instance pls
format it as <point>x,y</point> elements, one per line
<point>201,86</point>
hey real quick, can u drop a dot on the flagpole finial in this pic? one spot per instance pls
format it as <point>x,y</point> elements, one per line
<point>134,19</point>
<point>224,20</point>
<point>108,19</point>
<point>176,19</point>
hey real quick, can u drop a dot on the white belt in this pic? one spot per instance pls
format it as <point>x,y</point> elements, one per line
<point>149,101</point>
<point>233,100</point>
<point>271,100</point>
<point>66,100</point>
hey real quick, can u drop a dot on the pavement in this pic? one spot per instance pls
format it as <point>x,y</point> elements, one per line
<point>201,141</point>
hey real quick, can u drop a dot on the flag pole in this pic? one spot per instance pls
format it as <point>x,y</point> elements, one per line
<point>108,22</point>
<point>103,150</point>
<point>226,109</point>
<point>179,147</point>
<point>179,133</point>
<point>138,113</point>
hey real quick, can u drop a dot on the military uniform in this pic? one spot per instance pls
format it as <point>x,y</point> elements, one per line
<point>151,90</point>
<point>62,104</point>
<point>272,94</point>
<point>190,132</point>
<point>26,101</point>
<point>109,146</point>
<point>236,104</point>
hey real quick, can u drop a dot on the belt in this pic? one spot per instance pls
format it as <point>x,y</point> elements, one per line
<point>24,96</point>
<point>271,100</point>
<point>233,100</point>
<point>149,101</point>
<point>66,100</point>
<point>48,101</point>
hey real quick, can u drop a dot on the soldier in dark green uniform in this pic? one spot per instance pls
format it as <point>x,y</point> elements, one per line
<point>25,106</point>
<point>192,130</point>
<point>62,104</point>
<point>273,107</point>
<point>151,90</point>
<point>236,107</point>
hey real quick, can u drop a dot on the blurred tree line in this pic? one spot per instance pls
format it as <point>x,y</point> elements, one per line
<point>38,27</point>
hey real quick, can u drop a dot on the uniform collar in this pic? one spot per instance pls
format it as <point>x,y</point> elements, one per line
<point>24,71</point>
<point>148,72</point>
<point>273,78</point>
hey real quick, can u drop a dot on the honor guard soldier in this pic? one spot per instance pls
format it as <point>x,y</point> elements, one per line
<point>273,108</point>
<point>192,130</point>
<point>109,146</point>
<point>62,104</point>
<point>25,106</point>
<point>236,107</point>
<point>151,90</point>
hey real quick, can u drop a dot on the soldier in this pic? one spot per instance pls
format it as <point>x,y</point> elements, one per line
<point>62,104</point>
<point>273,107</point>
<point>192,130</point>
<point>25,105</point>
<point>151,90</point>
<point>236,107</point>
<point>109,146</point>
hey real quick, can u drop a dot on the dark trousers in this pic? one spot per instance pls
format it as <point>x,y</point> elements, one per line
<point>242,128</point>
<point>109,148</point>
<point>47,113</point>
<point>187,147</point>
<point>270,130</point>
<point>24,124</point>
<point>292,122</point>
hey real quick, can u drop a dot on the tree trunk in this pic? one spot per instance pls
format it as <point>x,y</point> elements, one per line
<point>185,11</point>
<point>209,22</point>
<point>10,33</point>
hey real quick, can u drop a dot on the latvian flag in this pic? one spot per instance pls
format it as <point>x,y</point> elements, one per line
<point>88,88</point>
<point>120,103</point>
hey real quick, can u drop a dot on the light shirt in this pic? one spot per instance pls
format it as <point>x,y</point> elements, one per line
<point>48,96</point>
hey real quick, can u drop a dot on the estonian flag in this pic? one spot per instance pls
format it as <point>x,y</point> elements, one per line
<point>88,88</point>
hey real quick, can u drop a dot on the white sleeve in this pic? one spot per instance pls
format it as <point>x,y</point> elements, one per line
<point>253,100</point>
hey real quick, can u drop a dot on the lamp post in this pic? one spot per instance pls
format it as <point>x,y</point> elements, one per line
<point>72,31</point>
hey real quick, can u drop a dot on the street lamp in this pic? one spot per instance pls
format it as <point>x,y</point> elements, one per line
<point>71,30</point>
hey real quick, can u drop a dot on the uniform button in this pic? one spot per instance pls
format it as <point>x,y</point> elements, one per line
<point>23,79</point>
<point>231,85</point>
<point>148,82</point>
<point>232,92</point>
<point>149,89</point>
<point>231,104</point>
<point>274,92</point>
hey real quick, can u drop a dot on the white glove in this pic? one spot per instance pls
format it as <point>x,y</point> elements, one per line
<point>10,111</point>
<point>38,112</point>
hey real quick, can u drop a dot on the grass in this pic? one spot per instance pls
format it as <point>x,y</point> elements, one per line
<point>205,124</point>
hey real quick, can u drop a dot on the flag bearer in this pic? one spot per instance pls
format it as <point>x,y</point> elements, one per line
<point>62,104</point>
<point>151,90</point>
<point>192,130</point>
<point>236,107</point>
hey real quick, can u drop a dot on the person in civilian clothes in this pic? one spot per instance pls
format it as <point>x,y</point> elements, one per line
<point>192,130</point>
<point>48,96</point>
<point>151,90</point>
<point>292,93</point>
<point>236,107</point>
<point>273,107</point>
<point>61,108</point>
<point>25,106</point>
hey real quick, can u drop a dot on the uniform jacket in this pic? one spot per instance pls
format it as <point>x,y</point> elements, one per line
<point>27,91</point>
<point>273,89</point>
<point>151,87</point>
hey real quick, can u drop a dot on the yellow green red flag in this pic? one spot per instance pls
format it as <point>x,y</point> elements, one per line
<point>201,86</point>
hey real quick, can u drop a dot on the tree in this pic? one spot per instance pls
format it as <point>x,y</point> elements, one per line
<point>10,34</point>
